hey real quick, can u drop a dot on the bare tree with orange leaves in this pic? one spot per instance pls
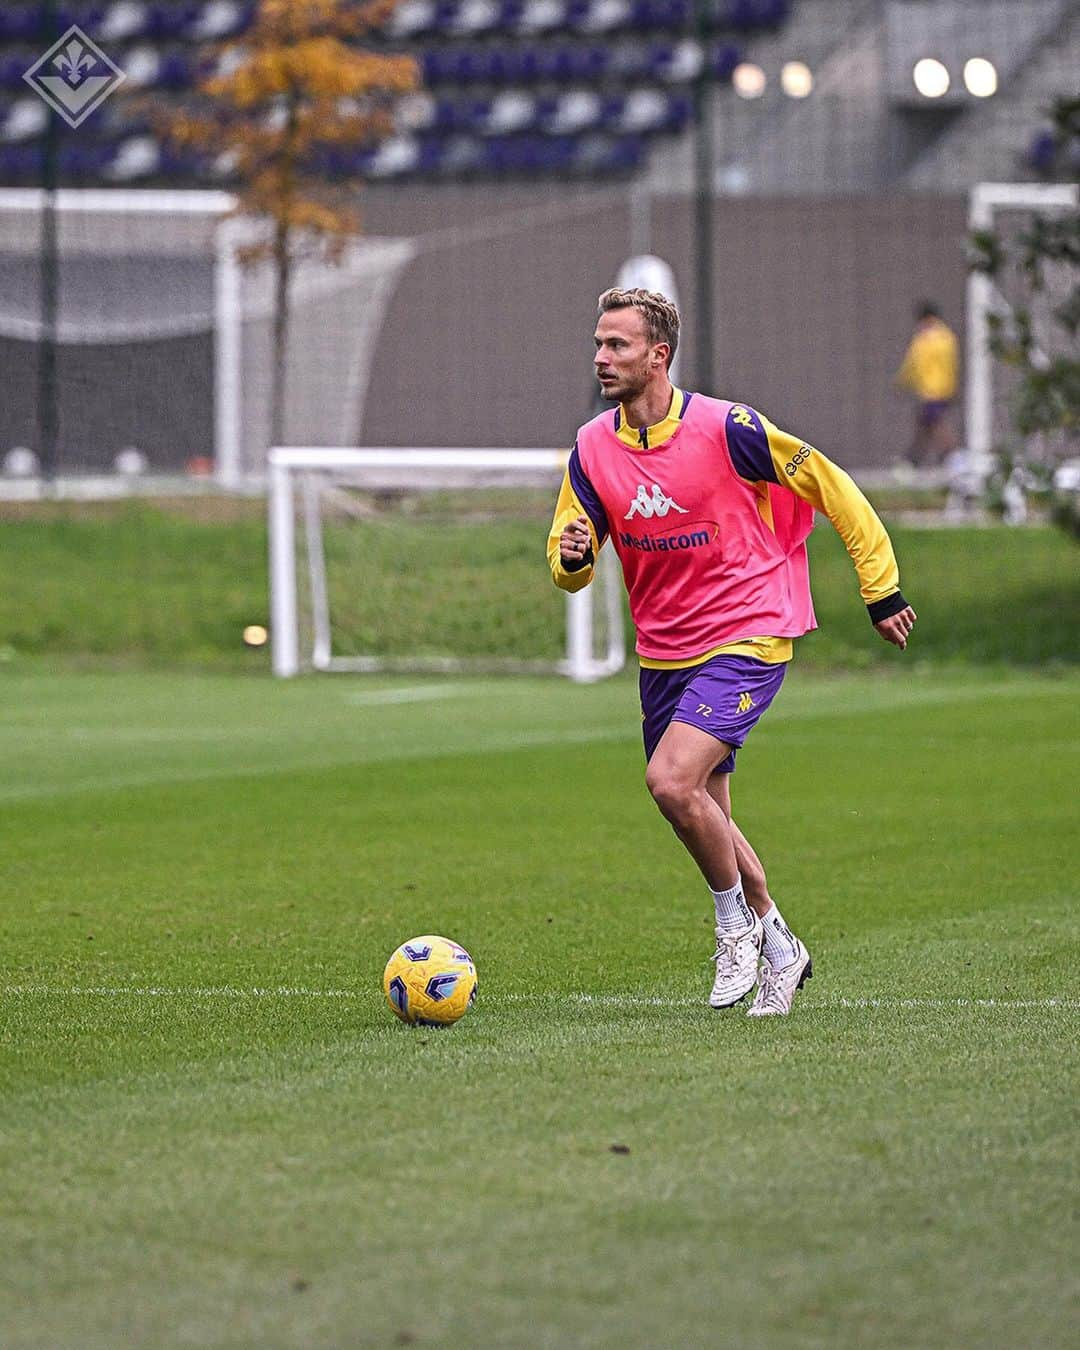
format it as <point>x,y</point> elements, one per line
<point>295,84</point>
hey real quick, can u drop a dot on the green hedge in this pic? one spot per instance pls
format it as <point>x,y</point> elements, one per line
<point>175,583</point>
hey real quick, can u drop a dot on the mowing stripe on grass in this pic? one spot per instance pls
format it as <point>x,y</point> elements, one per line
<point>525,740</point>
<point>812,705</point>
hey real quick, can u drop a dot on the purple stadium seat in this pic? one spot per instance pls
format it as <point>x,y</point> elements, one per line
<point>435,66</point>
<point>506,65</point>
<point>177,68</point>
<point>472,65</point>
<point>445,16</point>
<point>556,85</point>
<point>14,66</point>
<point>87,16</point>
<point>172,20</point>
<point>22,163</point>
<point>460,157</point>
<point>20,23</point>
<point>649,15</point>
<point>85,161</point>
<point>596,156</point>
<point>600,16</point>
<point>723,60</point>
<point>675,62</point>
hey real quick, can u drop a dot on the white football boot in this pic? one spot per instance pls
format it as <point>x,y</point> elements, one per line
<point>777,988</point>
<point>737,956</point>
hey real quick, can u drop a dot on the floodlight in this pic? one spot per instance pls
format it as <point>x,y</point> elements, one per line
<point>796,79</point>
<point>931,78</point>
<point>748,80</point>
<point>980,77</point>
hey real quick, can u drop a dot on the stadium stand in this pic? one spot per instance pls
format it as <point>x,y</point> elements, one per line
<point>1010,127</point>
<point>581,89</point>
<point>510,88</point>
<point>866,128</point>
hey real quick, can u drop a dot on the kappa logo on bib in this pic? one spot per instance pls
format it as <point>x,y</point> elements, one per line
<point>652,503</point>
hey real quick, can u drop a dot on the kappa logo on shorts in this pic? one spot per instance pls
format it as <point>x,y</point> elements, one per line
<point>746,703</point>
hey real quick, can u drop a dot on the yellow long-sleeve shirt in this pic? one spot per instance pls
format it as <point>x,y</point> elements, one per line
<point>931,364</point>
<point>761,453</point>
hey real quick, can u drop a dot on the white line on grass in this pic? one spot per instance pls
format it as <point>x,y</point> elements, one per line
<point>225,991</point>
<point>411,693</point>
<point>552,1000</point>
<point>635,1001</point>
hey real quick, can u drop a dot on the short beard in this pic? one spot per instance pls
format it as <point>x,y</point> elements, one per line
<point>628,389</point>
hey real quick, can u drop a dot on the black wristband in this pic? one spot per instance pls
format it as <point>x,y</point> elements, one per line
<point>880,610</point>
<point>586,561</point>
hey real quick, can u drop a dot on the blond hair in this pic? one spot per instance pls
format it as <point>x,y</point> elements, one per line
<point>659,313</point>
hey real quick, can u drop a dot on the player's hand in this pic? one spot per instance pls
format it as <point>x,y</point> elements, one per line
<point>896,628</point>
<point>575,541</point>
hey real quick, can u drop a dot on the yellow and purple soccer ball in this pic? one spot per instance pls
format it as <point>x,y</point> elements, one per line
<point>430,981</point>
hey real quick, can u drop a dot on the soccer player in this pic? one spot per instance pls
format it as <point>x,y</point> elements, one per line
<point>930,370</point>
<point>708,507</point>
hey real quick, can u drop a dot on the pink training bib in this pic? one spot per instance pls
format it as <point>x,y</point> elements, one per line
<point>708,557</point>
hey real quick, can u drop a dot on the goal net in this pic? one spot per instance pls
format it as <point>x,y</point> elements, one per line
<point>1010,211</point>
<point>163,338</point>
<point>462,532</point>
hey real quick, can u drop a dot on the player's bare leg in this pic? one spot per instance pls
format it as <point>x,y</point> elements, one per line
<point>786,963</point>
<point>678,777</point>
<point>751,869</point>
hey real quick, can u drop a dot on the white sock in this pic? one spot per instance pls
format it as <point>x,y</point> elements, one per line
<point>780,946</point>
<point>732,914</point>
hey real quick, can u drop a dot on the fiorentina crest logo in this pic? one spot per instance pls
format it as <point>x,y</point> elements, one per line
<point>74,76</point>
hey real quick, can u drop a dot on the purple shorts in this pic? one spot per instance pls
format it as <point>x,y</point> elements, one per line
<point>725,697</point>
<point>933,410</point>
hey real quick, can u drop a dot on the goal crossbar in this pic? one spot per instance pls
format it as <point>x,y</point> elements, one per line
<point>294,472</point>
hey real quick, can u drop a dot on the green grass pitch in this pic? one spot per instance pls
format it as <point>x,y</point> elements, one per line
<point>214,1133</point>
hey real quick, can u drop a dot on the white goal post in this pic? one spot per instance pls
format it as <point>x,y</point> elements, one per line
<point>987,202</point>
<point>295,474</point>
<point>158,276</point>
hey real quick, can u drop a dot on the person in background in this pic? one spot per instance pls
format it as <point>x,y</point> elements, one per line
<point>930,371</point>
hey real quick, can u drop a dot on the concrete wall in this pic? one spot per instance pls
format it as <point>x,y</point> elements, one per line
<point>488,340</point>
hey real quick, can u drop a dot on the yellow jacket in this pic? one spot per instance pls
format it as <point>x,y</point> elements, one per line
<point>931,363</point>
